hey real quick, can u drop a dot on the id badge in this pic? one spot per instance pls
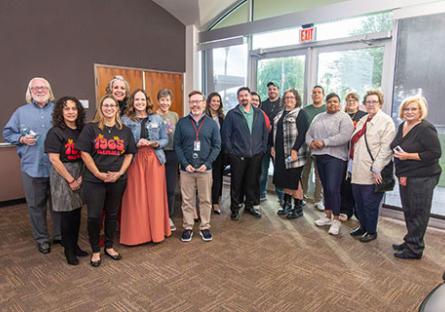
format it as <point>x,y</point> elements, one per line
<point>197,146</point>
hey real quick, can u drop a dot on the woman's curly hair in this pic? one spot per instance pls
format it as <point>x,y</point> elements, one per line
<point>57,115</point>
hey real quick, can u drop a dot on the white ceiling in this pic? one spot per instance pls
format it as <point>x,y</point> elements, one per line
<point>195,12</point>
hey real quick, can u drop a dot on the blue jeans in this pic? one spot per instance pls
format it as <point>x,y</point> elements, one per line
<point>331,171</point>
<point>367,204</point>
<point>264,175</point>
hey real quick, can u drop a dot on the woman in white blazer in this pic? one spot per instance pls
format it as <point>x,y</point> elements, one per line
<point>378,129</point>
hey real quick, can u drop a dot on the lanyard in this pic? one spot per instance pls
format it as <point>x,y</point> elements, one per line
<point>197,130</point>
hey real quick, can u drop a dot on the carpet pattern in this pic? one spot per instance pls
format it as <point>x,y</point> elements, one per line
<point>270,264</point>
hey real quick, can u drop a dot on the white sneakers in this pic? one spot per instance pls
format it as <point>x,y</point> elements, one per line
<point>323,221</point>
<point>335,227</point>
<point>319,205</point>
<point>172,225</point>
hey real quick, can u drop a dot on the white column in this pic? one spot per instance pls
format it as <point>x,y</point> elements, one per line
<point>192,64</point>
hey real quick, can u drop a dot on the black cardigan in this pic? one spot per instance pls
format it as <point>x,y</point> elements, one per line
<point>421,139</point>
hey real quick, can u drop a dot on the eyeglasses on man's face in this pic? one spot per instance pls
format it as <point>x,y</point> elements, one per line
<point>37,88</point>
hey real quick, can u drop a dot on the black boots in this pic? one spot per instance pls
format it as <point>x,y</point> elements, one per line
<point>297,209</point>
<point>287,205</point>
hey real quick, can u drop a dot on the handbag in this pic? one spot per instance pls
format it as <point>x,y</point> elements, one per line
<point>388,181</point>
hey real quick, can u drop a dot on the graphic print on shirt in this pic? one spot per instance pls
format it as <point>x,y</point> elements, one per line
<point>104,146</point>
<point>70,150</point>
<point>169,125</point>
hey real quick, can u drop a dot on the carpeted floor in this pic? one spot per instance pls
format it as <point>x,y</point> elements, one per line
<point>270,264</point>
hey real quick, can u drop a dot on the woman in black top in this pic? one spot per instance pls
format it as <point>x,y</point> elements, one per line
<point>66,171</point>
<point>289,151</point>
<point>416,151</point>
<point>107,150</point>
<point>214,110</point>
<point>352,108</point>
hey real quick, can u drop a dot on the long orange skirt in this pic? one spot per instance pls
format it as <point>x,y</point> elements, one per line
<point>144,211</point>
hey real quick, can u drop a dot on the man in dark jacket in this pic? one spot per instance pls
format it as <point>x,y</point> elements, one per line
<point>244,137</point>
<point>271,106</point>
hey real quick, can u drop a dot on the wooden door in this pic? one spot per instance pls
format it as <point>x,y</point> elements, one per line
<point>154,81</point>
<point>105,73</point>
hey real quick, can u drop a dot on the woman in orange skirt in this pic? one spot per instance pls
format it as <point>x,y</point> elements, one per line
<point>144,212</point>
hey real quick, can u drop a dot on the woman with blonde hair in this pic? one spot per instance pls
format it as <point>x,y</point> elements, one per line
<point>416,151</point>
<point>144,213</point>
<point>107,148</point>
<point>119,88</point>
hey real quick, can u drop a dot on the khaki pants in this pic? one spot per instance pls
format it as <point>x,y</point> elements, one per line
<point>305,179</point>
<point>190,182</point>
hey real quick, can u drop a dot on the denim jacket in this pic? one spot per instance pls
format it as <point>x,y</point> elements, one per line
<point>30,117</point>
<point>156,130</point>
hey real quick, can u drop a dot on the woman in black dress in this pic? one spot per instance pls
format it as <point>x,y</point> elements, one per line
<point>352,108</point>
<point>289,151</point>
<point>214,109</point>
<point>66,171</point>
<point>416,151</point>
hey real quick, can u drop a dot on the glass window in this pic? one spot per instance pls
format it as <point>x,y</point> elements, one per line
<point>266,8</point>
<point>229,72</point>
<point>237,16</point>
<point>357,69</point>
<point>355,26</point>
<point>274,39</point>
<point>419,69</point>
<point>287,71</point>
<point>339,29</point>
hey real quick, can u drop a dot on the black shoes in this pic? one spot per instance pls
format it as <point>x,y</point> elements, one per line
<point>284,210</point>
<point>296,211</point>
<point>58,241</point>
<point>235,215</point>
<point>71,258</point>
<point>399,247</point>
<point>366,238</point>
<point>357,232</point>
<point>407,253</point>
<point>80,253</point>
<point>44,248</point>
<point>115,257</point>
<point>254,212</point>
<point>95,263</point>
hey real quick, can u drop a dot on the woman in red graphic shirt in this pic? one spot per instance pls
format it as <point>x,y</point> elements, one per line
<point>107,148</point>
<point>66,171</point>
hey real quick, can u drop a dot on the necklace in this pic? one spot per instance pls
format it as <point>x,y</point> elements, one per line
<point>109,129</point>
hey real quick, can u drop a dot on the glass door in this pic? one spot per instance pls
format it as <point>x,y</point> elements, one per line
<point>342,69</point>
<point>288,72</point>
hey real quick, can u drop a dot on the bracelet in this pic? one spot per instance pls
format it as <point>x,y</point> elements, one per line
<point>72,181</point>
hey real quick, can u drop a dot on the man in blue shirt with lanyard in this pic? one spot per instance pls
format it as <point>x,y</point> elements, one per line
<point>197,143</point>
<point>27,129</point>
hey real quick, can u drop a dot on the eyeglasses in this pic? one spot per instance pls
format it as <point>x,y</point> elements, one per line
<point>410,109</point>
<point>195,102</point>
<point>289,97</point>
<point>372,102</point>
<point>39,88</point>
<point>109,105</point>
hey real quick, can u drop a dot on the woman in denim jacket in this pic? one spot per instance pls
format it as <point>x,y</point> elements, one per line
<point>144,214</point>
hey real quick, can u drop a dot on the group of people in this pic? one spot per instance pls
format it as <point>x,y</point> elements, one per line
<point>123,165</point>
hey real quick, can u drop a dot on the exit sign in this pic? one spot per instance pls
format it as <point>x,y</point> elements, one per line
<point>307,34</point>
